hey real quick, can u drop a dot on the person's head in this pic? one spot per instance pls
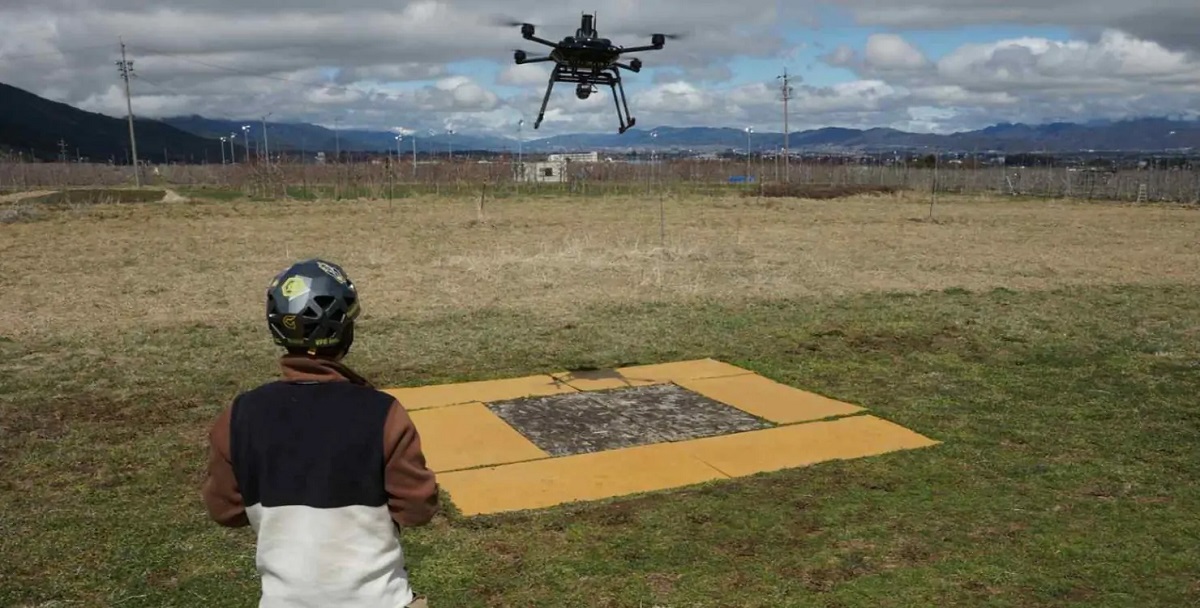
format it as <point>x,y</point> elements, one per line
<point>311,308</point>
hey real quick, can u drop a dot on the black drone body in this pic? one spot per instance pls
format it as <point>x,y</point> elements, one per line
<point>587,60</point>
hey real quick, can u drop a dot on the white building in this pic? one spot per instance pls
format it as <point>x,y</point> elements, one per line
<point>550,171</point>
<point>555,168</point>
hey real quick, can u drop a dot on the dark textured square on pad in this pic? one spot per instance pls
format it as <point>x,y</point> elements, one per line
<point>593,421</point>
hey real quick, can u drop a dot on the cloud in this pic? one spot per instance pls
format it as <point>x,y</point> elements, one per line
<point>890,52</point>
<point>372,63</point>
<point>1170,23</point>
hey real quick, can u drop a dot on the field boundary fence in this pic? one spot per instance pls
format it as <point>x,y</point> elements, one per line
<point>688,176</point>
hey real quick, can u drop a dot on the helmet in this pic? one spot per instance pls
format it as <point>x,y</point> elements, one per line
<point>312,306</point>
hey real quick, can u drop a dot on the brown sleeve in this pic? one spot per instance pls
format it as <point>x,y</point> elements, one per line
<point>412,488</point>
<point>220,491</point>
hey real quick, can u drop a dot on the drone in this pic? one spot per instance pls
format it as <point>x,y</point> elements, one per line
<point>587,60</point>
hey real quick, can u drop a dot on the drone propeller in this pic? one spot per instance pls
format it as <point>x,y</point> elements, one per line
<point>506,21</point>
<point>678,36</point>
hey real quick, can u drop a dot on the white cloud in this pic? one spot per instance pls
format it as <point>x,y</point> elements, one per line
<point>368,62</point>
<point>892,52</point>
<point>527,74</point>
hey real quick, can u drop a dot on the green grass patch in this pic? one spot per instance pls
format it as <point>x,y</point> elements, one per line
<point>1069,419</point>
<point>211,193</point>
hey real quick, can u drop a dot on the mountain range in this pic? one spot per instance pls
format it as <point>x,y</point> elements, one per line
<point>50,129</point>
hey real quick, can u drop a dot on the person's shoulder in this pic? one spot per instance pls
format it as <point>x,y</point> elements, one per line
<point>265,388</point>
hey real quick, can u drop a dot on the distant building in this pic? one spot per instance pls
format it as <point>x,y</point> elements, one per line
<point>555,168</point>
<point>589,157</point>
<point>548,171</point>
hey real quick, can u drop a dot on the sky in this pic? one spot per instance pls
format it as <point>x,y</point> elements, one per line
<point>920,65</point>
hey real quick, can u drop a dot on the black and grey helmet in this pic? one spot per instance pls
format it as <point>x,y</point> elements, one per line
<point>312,306</point>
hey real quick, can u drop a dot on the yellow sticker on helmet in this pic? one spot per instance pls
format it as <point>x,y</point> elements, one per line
<point>294,287</point>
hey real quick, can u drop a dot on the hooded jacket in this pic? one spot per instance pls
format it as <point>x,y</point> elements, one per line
<point>326,470</point>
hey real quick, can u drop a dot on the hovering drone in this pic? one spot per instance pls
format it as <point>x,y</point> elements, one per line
<point>587,60</point>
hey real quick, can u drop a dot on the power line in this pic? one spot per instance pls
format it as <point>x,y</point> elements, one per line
<point>141,78</point>
<point>183,57</point>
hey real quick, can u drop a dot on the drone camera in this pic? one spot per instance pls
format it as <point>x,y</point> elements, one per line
<point>583,91</point>
<point>658,40</point>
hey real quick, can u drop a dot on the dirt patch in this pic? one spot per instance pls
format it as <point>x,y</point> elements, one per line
<point>820,191</point>
<point>885,342</point>
<point>20,196</point>
<point>99,197</point>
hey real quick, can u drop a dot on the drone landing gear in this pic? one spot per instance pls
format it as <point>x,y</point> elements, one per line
<point>610,77</point>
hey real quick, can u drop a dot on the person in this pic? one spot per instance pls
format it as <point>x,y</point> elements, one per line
<point>326,469</point>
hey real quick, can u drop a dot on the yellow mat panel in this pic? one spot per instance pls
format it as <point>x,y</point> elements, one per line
<point>803,444</point>
<point>682,370</point>
<point>489,467</point>
<point>545,483</point>
<point>765,398</point>
<point>555,481</point>
<point>437,395</point>
<point>470,435</point>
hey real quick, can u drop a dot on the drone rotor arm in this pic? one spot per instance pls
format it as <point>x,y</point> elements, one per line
<point>639,49</point>
<point>535,60</point>
<point>539,40</point>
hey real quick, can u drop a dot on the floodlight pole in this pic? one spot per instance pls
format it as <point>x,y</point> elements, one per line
<point>337,142</point>
<point>653,157</point>
<point>749,130</point>
<point>232,148</point>
<point>223,140</point>
<point>246,135</point>
<point>520,149</point>
<point>266,144</point>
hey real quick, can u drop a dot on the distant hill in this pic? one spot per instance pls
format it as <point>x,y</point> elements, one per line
<point>29,122</point>
<point>1143,134</point>
<point>33,124</point>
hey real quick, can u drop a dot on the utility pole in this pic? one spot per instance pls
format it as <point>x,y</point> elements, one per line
<point>126,68</point>
<point>62,150</point>
<point>787,90</point>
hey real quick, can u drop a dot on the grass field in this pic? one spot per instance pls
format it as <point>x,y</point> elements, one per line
<point>1053,347</point>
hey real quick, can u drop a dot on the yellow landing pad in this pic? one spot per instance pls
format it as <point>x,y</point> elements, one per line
<point>487,466</point>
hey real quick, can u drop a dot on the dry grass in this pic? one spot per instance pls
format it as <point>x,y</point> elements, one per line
<point>170,264</point>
